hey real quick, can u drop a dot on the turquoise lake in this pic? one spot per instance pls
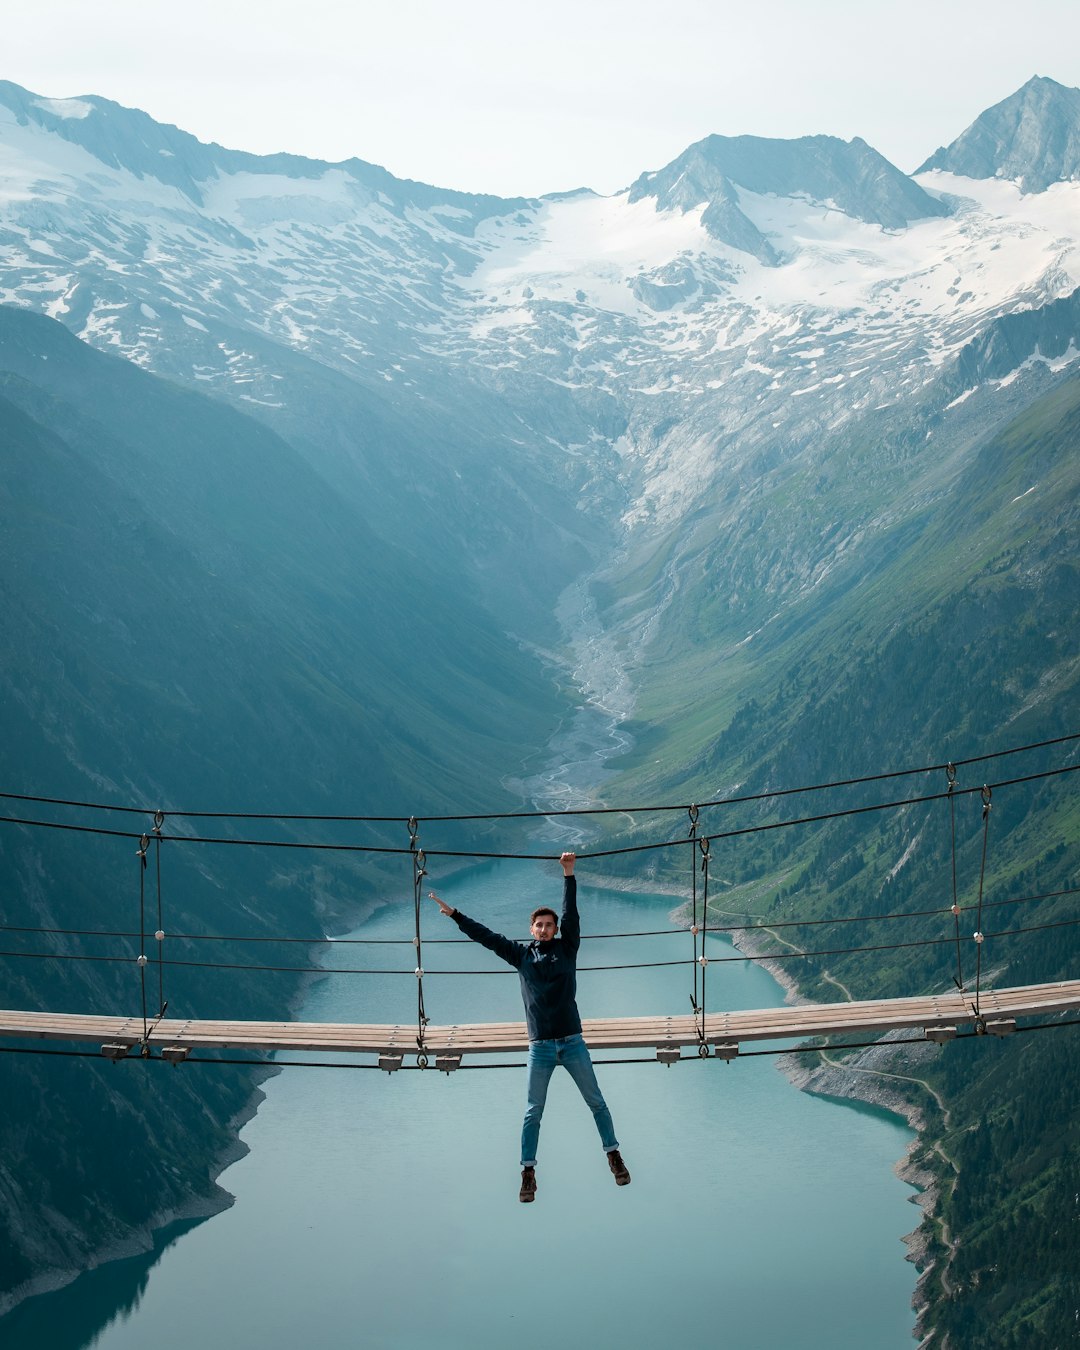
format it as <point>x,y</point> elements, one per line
<point>381,1210</point>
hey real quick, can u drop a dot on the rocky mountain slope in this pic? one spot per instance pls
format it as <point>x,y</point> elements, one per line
<point>192,615</point>
<point>1030,138</point>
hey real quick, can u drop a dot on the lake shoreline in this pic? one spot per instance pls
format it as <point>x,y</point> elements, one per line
<point>857,1080</point>
<point>142,1238</point>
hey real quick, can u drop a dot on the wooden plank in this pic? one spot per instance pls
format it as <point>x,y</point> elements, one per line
<point>787,1023</point>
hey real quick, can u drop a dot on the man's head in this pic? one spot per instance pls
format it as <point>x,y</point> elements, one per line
<point>545,922</point>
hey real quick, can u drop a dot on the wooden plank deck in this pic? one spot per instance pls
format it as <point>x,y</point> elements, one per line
<point>724,1031</point>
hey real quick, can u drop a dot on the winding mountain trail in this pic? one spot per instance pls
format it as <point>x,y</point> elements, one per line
<point>944,1235</point>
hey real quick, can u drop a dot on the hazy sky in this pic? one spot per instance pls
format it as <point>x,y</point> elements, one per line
<point>519,97</point>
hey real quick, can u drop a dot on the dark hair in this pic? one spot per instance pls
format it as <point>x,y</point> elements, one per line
<point>543,910</point>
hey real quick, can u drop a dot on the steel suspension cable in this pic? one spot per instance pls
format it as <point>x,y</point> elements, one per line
<point>545,857</point>
<point>764,926</point>
<point>796,954</point>
<point>541,814</point>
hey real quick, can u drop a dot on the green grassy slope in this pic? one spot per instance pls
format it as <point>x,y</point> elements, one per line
<point>954,635</point>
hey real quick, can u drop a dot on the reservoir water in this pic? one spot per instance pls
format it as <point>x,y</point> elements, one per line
<point>381,1210</point>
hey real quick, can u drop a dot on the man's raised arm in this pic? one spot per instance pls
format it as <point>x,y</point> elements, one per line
<point>570,924</point>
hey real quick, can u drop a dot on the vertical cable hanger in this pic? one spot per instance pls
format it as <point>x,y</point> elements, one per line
<point>703,960</point>
<point>159,935</point>
<point>950,773</point>
<point>419,873</point>
<point>692,838</point>
<point>699,846</point>
<point>140,960</point>
<point>979,935</point>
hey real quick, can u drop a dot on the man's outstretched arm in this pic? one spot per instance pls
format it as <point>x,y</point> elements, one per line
<point>504,947</point>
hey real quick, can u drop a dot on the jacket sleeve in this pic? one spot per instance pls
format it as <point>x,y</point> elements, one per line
<point>504,947</point>
<point>570,925</point>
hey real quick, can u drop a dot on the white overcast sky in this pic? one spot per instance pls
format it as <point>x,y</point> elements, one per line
<point>522,97</point>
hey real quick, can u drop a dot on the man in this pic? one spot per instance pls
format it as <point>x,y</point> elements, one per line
<point>547,967</point>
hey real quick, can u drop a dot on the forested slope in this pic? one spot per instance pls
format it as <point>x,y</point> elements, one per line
<point>961,643</point>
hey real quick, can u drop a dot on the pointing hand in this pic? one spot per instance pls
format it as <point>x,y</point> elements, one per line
<point>446,909</point>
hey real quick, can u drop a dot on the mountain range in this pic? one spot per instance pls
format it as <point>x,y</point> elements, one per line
<point>636,350</point>
<point>330,490</point>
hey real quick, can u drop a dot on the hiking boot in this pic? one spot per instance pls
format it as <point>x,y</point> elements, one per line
<point>527,1194</point>
<point>618,1168</point>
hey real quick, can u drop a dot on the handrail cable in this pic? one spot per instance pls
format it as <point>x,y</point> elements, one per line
<point>544,857</point>
<point>765,925</point>
<point>631,965</point>
<point>540,814</point>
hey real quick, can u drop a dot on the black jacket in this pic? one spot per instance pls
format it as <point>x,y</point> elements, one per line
<point>548,970</point>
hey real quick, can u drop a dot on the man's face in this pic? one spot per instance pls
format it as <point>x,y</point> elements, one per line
<point>543,928</point>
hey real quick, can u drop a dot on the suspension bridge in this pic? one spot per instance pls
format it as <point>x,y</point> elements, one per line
<point>975,1005</point>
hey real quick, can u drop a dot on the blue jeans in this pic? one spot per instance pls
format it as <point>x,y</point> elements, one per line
<point>573,1054</point>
